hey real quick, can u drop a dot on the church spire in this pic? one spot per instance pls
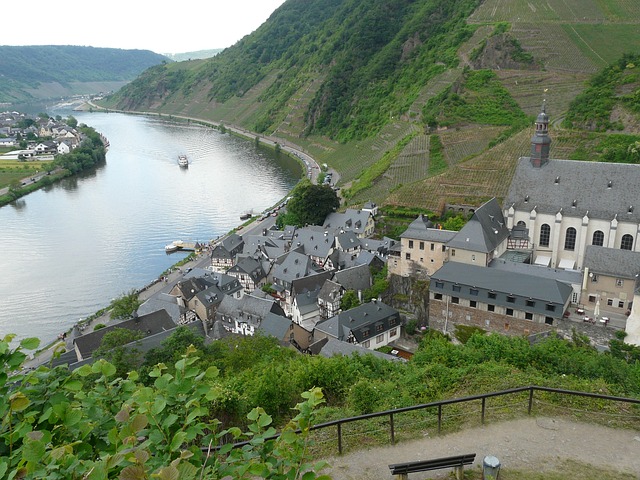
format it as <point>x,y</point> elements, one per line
<point>541,142</point>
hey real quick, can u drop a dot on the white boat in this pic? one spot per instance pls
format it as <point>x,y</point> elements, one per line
<point>183,161</point>
<point>172,247</point>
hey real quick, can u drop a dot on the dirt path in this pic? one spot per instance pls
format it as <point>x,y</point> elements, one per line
<point>531,443</point>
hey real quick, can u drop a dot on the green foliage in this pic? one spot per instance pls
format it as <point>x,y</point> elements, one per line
<point>349,300</point>
<point>411,327</point>
<point>54,427</point>
<point>464,332</point>
<point>380,285</point>
<point>437,162</point>
<point>481,98</point>
<point>125,306</point>
<point>592,108</point>
<point>112,349</point>
<point>310,204</point>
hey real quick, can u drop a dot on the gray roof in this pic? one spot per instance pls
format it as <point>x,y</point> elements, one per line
<point>248,308</point>
<point>329,291</point>
<point>249,266</point>
<point>369,259</point>
<point>514,283</point>
<point>356,320</point>
<point>485,230</point>
<point>601,189</point>
<point>316,241</point>
<point>149,324</point>
<point>347,240</point>
<point>162,301</point>
<point>228,247</point>
<point>567,276</point>
<point>275,326</point>
<point>423,229</point>
<point>612,261</point>
<point>379,246</point>
<point>307,302</point>
<point>354,220</point>
<point>311,282</point>
<point>354,278</point>
<point>294,265</point>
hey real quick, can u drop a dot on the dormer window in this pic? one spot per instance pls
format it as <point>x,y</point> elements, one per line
<point>630,210</point>
<point>526,199</point>
<point>609,184</point>
<point>557,180</point>
<point>574,204</point>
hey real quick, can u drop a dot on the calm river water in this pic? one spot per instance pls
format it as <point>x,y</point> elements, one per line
<point>72,248</point>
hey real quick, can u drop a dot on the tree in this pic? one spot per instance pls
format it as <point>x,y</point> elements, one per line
<point>310,204</point>
<point>124,306</point>
<point>349,300</point>
<point>72,121</point>
<point>112,348</point>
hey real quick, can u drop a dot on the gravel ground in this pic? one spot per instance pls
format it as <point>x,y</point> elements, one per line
<point>529,444</point>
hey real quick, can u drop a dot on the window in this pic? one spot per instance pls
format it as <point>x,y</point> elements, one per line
<point>598,238</point>
<point>473,258</point>
<point>453,252</point>
<point>610,302</point>
<point>473,303</point>
<point>393,322</point>
<point>456,288</point>
<point>365,344</point>
<point>380,338</point>
<point>410,243</point>
<point>593,277</point>
<point>443,248</point>
<point>492,295</point>
<point>531,303</point>
<point>510,312</point>
<point>550,308</point>
<point>491,308</point>
<point>365,333</point>
<point>545,235</point>
<point>421,245</point>
<point>437,296</point>
<point>570,239</point>
<point>407,256</point>
<point>619,282</point>
<point>620,304</point>
<point>548,320</point>
<point>379,328</point>
<point>455,299</point>
<point>393,332</point>
<point>627,242</point>
<point>473,291</point>
<point>439,284</point>
<point>433,246</point>
<point>528,316</point>
<point>511,299</point>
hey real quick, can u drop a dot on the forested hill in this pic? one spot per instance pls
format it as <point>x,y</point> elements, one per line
<point>415,102</point>
<point>24,69</point>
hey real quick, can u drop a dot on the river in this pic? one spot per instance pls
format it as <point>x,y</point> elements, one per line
<point>73,247</point>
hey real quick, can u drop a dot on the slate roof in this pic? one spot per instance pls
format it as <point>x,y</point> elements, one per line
<point>354,278</point>
<point>275,326</point>
<point>329,291</point>
<point>515,283</point>
<point>162,301</point>
<point>310,283</point>
<point>149,324</point>
<point>360,320</point>
<point>423,229</point>
<point>485,230</point>
<point>228,247</point>
<point>249,266</point>
<point>248,309</point>
<point>369,259</point>
<point>354,220</point>
<point>601,189</point>
<point>380,246</point>
<point>347,241</point>
<point>293,266</point>
<point>316,241</point>
<point>614,262</point>
<point>566,276</point>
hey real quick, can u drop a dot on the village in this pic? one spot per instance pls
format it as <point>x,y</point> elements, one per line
<point>559,255</point>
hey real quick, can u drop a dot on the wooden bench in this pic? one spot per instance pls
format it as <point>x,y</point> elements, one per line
<point>402,470</point>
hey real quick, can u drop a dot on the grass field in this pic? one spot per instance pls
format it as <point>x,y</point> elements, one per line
<point>11,170</point>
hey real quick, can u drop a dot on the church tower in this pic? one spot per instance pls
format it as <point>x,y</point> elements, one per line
<point>541,142</point>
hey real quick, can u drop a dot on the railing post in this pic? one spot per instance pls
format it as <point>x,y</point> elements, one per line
<point>393,434</point>
<point>439,418</point>
<point>483,405</point>
<point>530,400</point>
<point>339,438</point>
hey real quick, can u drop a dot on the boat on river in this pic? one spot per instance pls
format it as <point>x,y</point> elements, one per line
<point>183,161</point>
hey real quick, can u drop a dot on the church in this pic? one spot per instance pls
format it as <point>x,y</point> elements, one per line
<point>568,205</point>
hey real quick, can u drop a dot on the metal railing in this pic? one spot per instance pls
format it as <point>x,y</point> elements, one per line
<point>442,403</point>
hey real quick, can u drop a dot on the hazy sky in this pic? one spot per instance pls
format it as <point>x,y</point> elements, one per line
<point>160,26</point>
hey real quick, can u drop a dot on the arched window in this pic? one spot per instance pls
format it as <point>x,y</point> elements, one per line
<point>627,242</point>
<point>521,224</point>
<point>545,235</point>
<point>570,239</point>
<point>598,238</point>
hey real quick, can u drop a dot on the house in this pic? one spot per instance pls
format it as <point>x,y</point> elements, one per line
<point>358,221</point>
<point>292,266</point>
<point>223,253</point>
<point>329,298</point>
<point>611,277</point>
<point>317,243</point>
<point>568,205</point>
<point>63,147</point>
<point>356,278</point>
<point>150,324</point>
<point>422,249</point>
<point>371,325</point>
<point>243,316</point>
<point>497,300</point>
<point>250,272</point>
<point>46,147</point>
<point>330,347</point>
<point>304,308</point>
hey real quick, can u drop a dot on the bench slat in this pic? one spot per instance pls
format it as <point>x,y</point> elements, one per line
<point>436,463</point>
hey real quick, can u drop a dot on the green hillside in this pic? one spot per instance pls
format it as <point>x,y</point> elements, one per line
<point>28,72</point>
<point>411,101</point>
